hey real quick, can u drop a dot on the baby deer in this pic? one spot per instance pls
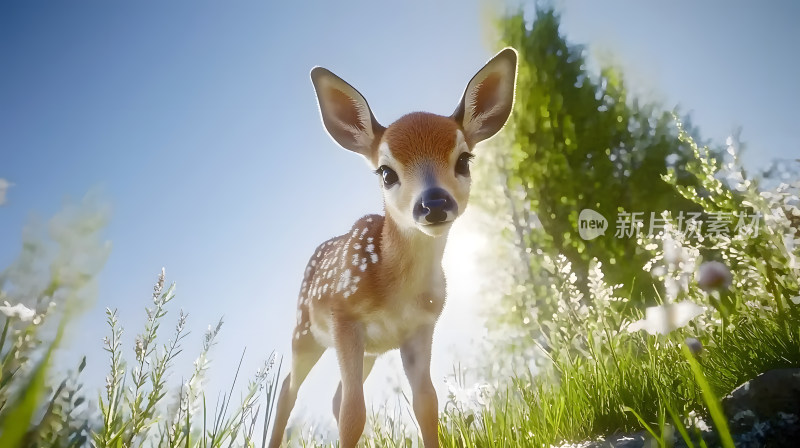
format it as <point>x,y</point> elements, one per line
<point>380,286</point>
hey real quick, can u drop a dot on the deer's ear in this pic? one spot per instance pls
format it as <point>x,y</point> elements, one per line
<point>345,113</point>
<point>489,97</point>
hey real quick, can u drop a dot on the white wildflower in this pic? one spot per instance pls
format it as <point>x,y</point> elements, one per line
<point>697,421</point>
<point>19,311</point>
<point>679,263</point>
<point>664,319</point>
<point>738,181</point>
<point>159,286</point>
<point>139,348</point>
<point>755,305</point>
<point>674,253</point>
<point>472,398</point>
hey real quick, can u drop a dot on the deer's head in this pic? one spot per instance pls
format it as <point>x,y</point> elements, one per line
<point>422,159</point>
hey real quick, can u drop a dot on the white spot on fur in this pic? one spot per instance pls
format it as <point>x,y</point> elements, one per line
<point>374,257</point>
<point>344,281</point>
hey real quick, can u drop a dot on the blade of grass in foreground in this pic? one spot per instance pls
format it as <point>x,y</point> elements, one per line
<point>15,424</point>
<point>644,424</point>
<point>710,399</point>
<point>680,427</point>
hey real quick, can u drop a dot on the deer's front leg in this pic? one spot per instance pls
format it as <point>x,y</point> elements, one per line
<point>349,340</point>
<point>416,355</point>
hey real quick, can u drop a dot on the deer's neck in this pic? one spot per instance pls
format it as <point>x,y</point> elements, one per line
<point>410,253</point>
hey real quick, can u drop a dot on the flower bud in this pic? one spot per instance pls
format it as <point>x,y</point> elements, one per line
<point>695,346</point>
<point>713,275</point>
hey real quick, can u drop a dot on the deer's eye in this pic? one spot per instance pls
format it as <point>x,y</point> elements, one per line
<point>462,164</point>
<point>388,175</point>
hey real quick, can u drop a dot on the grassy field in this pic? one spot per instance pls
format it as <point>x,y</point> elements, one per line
<point>729,311</point>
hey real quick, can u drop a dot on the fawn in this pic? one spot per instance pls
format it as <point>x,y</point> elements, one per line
<point>381,286</point>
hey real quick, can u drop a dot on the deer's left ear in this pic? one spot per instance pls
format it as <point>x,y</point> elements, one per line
<point>489,97</point>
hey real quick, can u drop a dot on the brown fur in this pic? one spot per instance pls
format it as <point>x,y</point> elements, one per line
<point>421,136</point>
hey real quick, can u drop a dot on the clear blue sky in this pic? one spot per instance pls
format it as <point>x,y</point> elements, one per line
<point>198,122</point>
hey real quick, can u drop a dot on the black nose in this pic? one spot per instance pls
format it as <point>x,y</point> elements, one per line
<point>433,205</point>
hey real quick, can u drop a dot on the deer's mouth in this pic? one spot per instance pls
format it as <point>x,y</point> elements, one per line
<point>435,229</point>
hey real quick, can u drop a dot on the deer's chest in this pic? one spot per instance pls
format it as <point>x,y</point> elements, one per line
<point>399,311</point>
<point>405,308</point>
<point>388,328</point>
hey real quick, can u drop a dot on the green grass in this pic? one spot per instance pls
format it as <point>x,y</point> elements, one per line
<point>647,378</point>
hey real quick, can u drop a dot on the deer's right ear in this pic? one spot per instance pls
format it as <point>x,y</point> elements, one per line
<point>345,113</point>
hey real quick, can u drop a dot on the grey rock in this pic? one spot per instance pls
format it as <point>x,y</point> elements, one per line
<point>763,399</point>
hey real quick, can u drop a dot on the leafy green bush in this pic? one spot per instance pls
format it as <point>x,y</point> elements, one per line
<point>581,140</point>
